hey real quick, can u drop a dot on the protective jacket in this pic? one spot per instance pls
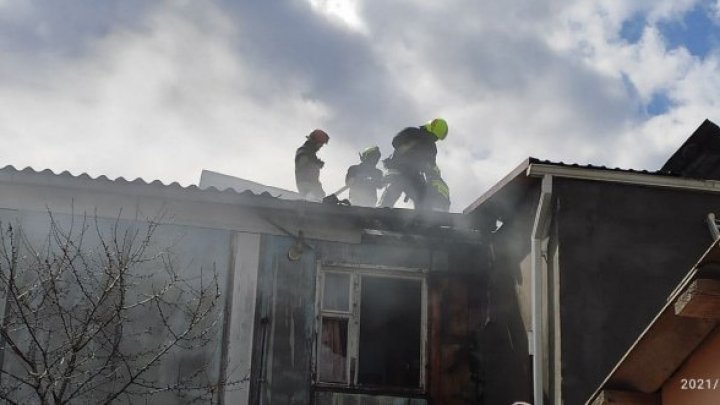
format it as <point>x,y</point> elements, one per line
<point>438,192</point>
<point>414,155</point>
<point>307,170</point>
<point>415,150</point>
<point>364,180</point>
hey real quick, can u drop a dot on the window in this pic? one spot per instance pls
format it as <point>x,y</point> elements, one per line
<point>370,328</point>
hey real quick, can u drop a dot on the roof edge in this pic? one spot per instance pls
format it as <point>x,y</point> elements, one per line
<point>644,179</point>
<point>264,201</point>
<point>516,172</point>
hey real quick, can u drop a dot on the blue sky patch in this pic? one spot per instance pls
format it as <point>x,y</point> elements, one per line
<point>695,31</point>
<point>632,28</point>
<point>659,104</point>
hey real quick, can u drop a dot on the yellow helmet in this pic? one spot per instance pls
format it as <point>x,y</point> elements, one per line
<point>370,154</point>
<point>437,127</point>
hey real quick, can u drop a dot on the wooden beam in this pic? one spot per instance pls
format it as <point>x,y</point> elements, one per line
<point>616,397</point>
<point>674,337</point>
<point>701,299</point>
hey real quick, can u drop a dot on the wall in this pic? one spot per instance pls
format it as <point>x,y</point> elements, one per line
<point>623,248</point>
<point>507,364</point>
<point>282,363</point>
<point>190,250</point>
<point>328,398</point>
<point>241,293</point>
<point>200,234</point>
<point>455,352</point>
<point>285,314</point>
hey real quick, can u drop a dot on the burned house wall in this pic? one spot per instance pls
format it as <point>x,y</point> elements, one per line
<point>286,316</point>
<point>456,315</point>
<point>623,248</point>
<point>507,364</point>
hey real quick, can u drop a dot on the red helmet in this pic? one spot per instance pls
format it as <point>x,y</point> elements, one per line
<point>319,136</point>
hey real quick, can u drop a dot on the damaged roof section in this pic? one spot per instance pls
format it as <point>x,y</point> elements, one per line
<point>221,181</point>
<point>390,223</point>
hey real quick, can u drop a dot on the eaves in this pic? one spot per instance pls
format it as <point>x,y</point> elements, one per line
<point>649,179</point>
<point>513,187</point>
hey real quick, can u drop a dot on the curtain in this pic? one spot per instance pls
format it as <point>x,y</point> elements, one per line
<point>333,350</point>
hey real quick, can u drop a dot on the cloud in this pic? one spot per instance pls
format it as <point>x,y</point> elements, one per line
<point>343,11</point>
<point>160,103</point>
<point>165,90</point>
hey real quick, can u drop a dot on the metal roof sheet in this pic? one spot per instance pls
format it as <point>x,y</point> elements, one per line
<point>66,175</point>
<point>533,160</point>
<point>399,217</point>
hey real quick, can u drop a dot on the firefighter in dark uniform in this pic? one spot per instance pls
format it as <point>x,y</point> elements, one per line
<point>308,165</point>
<point>412,160</point>
<point>365,179</point>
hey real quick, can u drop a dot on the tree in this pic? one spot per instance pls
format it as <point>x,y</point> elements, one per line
<point>92,312</point>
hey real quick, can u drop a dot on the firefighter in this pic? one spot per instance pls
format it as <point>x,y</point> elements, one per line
<point>308,165</point>
<point>365,179</point>
<point>413,159</point>
<point>438,192</point>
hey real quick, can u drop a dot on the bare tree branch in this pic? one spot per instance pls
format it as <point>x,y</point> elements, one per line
<point>88,316</point>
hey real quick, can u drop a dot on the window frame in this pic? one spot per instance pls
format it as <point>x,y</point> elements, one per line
<point>357,272</point>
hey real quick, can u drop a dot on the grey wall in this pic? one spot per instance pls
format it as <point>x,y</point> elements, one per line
<point>201,234</point>
<point>241,292</point>
<point>285,316</point>
<point>190,249</point>
<point>507,370</point>
<point>622,249</point>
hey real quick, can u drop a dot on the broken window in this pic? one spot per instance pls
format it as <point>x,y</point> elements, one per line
<point>332,351</point>
<point>370,329</point>
<point>390,332</point>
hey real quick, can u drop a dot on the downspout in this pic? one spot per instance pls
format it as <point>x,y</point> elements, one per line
<point>539,233</point>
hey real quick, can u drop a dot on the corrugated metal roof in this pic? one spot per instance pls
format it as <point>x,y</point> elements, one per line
<point>520,172</point>
<point>10,170</point>
<point>222,181</point>
<point>399,217</point>
<point>533,160</point>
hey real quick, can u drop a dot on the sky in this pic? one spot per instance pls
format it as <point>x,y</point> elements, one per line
<point>161,90</point>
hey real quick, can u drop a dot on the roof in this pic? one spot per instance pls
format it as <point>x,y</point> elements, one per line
<point>669,339</point>
<point>519,179</point>
<point>376,218</point>
<point>221,181</point>
<point>695,165</point>
<point>513,187</point>
<point>699,156</point>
